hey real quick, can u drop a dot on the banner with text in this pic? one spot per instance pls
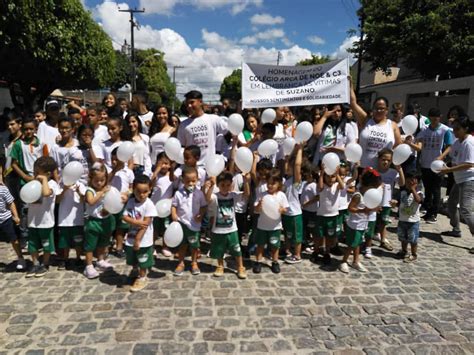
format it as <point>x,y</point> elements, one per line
<point>273,86</point>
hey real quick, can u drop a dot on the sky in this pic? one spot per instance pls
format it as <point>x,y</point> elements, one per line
<point>211,38</point>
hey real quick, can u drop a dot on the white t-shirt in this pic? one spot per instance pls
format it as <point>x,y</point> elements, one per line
<point>71,207</point>
<point>334,138</point>
<point>123,179</point>
<point>202,131</point>
<point>63,155</point>
<point>47,134</point>
<point>222,147</point>
<point>329,201</point>
<point>344,197</point>
<point>107,147</point>
<point>463,152</point>
<point>95,210</point>
<point>83,156</point>
<point>139,211</point>
<point>267,224</point>
<point>358,221</point>
<point>163,189</point>
<point>101,134</point>
<point>434,140</point>
<point>292,192</point>
<point>187,207</point>
<point>389,178</point>
<point>222,208</point>
<point>157,144</point>
<point>41,214</point>
<point>260,191</point>
<point>373,138</point>
<point>146,118</point>
<point>309,192</point>
<point>409,210</point>
<point>141,156</point>
<point>241,202</point>
<point>178,182</point>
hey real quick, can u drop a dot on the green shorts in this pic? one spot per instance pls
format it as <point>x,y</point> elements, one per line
<point>293,228</point>
<point>271,238</point>
<point>354,238</point>
<point>327,227</point>
<point>190,238</point>
<point>160,225</point>
<point>143,258</point>
<point>383,217</point>
<point>40,238</point>
<point>119,223</point>
<point>97,232</point>
<point>370,231</point>
<point>222,243</point>
<point>341,221</point>
<point>71,237</point>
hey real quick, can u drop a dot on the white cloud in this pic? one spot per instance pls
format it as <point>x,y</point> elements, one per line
<point>342,52</point>
<point>268,35</point>
<point>266,19</point>
<point>316,40</point>
<point>166,7</point>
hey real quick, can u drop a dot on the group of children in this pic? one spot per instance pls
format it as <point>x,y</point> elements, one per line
<point>313,208</point>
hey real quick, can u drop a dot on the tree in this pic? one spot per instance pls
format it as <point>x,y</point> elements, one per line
<point>49,44</point>
<point>122,70</point>
<point>431,36</point>
<point>231,87</point>
<point>314,60</point>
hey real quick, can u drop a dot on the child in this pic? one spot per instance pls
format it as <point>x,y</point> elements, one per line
<point>62,151</point>
<point>117,132</point>
<point>191,156</point>
<point>87,152</point>
<point>409,217</point>
<point>344,199</point>
<point>162,180</point>
<point>41,217</point>
<point>99,223</point>
<point>268,229</point>
<point>329,187</point>
<point>224,227</point>
<point>293,217</point>
<point>188,208</point>
<point>309,202</point>
<point>8,216</point>
<point>139,214</point>
<point>100,131</point>
<point>358,221</point>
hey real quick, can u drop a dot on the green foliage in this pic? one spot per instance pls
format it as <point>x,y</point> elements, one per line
<point>48,44</point>
<point>123,66</point>
<point>231,87</point>
<point>314,60</point>
<point>430,36</point>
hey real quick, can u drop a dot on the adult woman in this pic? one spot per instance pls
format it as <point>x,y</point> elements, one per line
<point>161,129</point>
<point>376,132</point>
<point>250,133</point>
<point>141,156</point>
<point>111,105</point>
<point>462,193</point>
<point>333,133</point>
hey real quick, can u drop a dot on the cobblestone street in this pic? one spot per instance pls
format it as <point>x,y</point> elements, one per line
<point>396,308</point>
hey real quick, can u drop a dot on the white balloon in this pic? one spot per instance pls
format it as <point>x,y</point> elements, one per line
<point>331,161</point>
<point>268,147</point>
<point>373,198</point>
<point>353,152</point>
<point>113,201</point>
<point>401,153</point>
<point>437,165</point>
<point>31,191</point>
<point>163,207</point>
<point>125,151</point>
<point>215,164</point>
<point>304,131</point>
<point>173,148</point>
<point>235,124</point>
<point>180,157</point>
<point>409,124</point>
<point>244,159</point>
<point>271,207</point>
<point>173,235</point>
<point>288,145</point>
<point>72,172</point>
<point>268,116</point>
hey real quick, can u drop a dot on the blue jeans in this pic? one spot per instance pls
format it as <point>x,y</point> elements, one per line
<point>462,194</point>
<point>408,232</point>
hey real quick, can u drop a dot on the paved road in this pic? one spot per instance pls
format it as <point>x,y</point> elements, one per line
<point>396,308</point>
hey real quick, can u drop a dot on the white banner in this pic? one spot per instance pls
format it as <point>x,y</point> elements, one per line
<point>273,86</point>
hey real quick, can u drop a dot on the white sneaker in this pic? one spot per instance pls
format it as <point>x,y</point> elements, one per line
<point>21,264</point>
<point>104,265</point>
<point>359,267</point>
<point>377,237</point>
<point>166,253</point>
<point>368,253</point>
<point>90,272</point>
<point>344,267</point>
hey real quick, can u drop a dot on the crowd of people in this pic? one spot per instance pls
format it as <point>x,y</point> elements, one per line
<point>318,211</point>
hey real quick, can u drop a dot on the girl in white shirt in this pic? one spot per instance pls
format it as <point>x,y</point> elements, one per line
<point>118,132</point>
<point>160,130</point>
<point>309,201</point>
<point>141,156</point>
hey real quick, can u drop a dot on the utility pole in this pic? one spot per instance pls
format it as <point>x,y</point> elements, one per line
<point>279,56</point>
<point>174,84</point>
<point>361,51</point>
<point>132,40</point>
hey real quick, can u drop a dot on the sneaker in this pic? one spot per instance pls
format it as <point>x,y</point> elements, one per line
<point>452,233</point>
<point>219,271</point>
<point>257,267</point>
<point>104,265</point>
<point>120,253</point>
<point>195,269</point>
<point>309,250</point>
<point>409,258</point>
<point>327,259</point>
<point>179,270</point>
<point>386,245</point>
<point>401,254</point>
<point>344,267</point>
<point>139,284</point>
<point>21,264</point>
<point>166,253</point>
<point>275,267</point>
<point>41,270</point>
<point>359,267</point>
<point>242,273</point>
<point>133,274</point>
<point>90,272</point>
<point>368,253</point>
<point>337,250</point>
<point>314,257</point>
<point>292,259</point>
<point>431,220</point>
<point>61,265</point>
<point>31,271</point>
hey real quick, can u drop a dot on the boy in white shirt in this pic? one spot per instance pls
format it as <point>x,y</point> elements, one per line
<point>138,214</point>
<point>41,217</point>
